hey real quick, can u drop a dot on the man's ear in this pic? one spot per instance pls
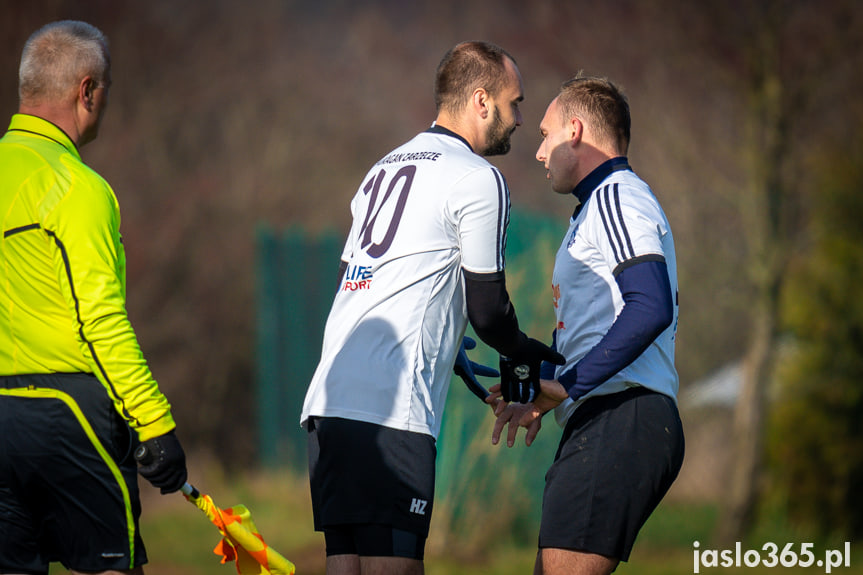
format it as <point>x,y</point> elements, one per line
<point>576,130</point>
<point>85,93</point>
<point>481,102</point>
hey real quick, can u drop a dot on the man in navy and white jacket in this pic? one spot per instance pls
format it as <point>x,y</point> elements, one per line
<point>615,297</point>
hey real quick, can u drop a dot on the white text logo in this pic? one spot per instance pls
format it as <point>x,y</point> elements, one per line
<point>418,506</point>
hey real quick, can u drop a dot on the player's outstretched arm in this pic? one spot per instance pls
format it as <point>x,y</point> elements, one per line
<point>492,316</point>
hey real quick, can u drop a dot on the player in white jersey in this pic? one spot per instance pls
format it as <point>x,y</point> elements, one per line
<point>425,253</point>
<point>424,212</point>
<point>614,290</point>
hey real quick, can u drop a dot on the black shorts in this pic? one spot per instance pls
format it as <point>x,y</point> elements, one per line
<point>68,480</point>
<point>366,474</point>
<point>618,456</point>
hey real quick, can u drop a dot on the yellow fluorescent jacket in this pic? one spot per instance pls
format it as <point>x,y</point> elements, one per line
<point>63,282</point>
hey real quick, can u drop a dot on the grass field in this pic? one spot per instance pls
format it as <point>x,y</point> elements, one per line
<point>180,539</point>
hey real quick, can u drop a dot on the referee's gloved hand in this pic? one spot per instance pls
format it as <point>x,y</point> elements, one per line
<point>163,462</point>
<point>519,374</point>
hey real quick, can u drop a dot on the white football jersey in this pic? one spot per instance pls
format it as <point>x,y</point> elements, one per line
<point>425,211</point>
<point>620,223</point>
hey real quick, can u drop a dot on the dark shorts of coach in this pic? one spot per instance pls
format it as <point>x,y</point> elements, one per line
<point>68,480</point>
<point>363,474</point>
<point>618,456</point>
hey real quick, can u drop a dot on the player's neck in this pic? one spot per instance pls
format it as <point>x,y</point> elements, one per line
<point>591,157</point>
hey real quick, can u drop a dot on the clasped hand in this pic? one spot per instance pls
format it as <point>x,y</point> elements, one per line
<point>527,415</point>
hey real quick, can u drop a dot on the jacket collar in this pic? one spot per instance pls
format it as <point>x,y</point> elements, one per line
<point>40,127</point>
<point>435,129</point>
<point>592,181</point>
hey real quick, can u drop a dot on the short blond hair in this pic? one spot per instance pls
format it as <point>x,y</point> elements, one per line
<point>57,56</point>
<point>600,104</point>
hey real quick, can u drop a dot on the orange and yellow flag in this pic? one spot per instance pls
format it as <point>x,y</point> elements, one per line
<point>241,541</point>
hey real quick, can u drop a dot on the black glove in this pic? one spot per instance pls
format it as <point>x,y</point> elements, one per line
<point>519,380</point>
<point>163,462</point>
<point>468,370</point>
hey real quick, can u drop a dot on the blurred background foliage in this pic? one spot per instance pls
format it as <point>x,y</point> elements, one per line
<point>817,424</point>
<point>226,116</point>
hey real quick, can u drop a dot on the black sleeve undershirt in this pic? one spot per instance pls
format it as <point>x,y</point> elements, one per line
<point>491,312</point>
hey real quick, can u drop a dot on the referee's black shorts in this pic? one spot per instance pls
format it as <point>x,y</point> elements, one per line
<point>372,487</point>
<point>618,456</point>
<point>68,479</point>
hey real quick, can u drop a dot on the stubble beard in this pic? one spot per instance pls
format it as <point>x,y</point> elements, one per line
<point>498,137</point>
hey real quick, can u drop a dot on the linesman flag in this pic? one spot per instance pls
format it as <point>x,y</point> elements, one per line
<point>241,541</point>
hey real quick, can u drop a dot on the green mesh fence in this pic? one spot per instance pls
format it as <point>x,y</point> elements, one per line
<point>296,282</point>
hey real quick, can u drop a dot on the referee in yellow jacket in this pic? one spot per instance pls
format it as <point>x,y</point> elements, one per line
<point>76,395</point>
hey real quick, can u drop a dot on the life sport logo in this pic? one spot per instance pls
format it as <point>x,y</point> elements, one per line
<point>357,278</point>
